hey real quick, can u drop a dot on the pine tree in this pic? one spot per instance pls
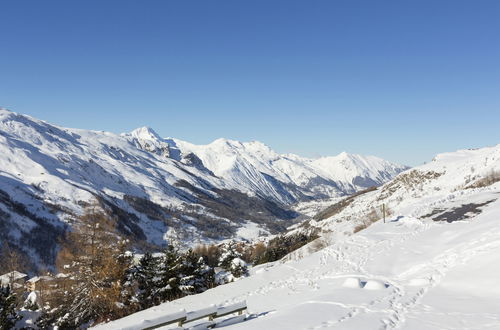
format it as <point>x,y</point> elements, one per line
<point>147,275</point>
<point>228,253</point>
<point>124,261</point>
<point>8,304</point>
<point>231,261</point>
<point>239,268</point>
<point>205,276</point>
<point>196,275</point>
<point>188,277</point>
<point>170,276</point>
<point>170,272</point>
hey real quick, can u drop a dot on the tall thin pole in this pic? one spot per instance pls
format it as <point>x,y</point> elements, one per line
<point>383,210</point>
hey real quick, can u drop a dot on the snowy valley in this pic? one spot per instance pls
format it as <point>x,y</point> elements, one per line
<point>158,190</point>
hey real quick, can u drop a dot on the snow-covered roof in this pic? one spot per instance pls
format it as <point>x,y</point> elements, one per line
<point>40,278</point>
<point>11,276</point>
<point>61,275</point>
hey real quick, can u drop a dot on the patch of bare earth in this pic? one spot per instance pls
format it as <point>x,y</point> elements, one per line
<point>462,212</point>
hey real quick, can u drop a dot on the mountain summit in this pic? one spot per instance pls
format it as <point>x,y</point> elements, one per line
<point>255,168</point>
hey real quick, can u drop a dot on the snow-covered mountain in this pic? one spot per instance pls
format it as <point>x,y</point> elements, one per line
<point>157,189</point>
<point>256,169</point>
<point>433,264</point>
<point>427,190</point>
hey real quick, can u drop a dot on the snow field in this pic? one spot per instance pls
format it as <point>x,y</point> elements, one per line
<point>409,273</point>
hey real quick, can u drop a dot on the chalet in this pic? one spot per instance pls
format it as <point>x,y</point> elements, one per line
<point>14,279</point>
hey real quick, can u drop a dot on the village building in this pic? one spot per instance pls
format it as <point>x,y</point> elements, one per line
<point>38,283</point>
<point>13,279</point>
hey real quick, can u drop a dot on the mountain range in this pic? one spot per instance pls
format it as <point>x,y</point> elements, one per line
<point>158,189</point>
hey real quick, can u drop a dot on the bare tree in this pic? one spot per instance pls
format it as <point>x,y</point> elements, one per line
<point>10,259</point>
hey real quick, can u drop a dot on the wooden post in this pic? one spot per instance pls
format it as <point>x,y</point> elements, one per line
<point>383,210</point>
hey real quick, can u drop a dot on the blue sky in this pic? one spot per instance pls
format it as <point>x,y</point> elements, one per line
<point>403,80</point>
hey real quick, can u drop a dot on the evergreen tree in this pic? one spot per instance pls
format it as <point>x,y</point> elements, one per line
<point>170,276</point>
<point>228,253</point>
<point>205,276</point>
<point>147,275</point>
<point>231,261</point>
<point>238,268</point>
<point>170,272</point>
<point>196,275</point>
<point>187,277</point>
<point>8,304</point>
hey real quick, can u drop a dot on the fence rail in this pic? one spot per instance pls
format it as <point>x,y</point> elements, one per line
<point>182,317</point>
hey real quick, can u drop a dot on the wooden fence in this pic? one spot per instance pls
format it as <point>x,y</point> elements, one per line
<point>182,317</point>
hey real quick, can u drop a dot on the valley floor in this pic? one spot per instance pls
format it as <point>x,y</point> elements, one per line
<point>407,273</point>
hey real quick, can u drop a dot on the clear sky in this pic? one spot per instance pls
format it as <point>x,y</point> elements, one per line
<point>402,80</point>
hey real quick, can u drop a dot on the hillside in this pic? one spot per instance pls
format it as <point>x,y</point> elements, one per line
<point>432,265</point>
<point>158,190</point>
<point>425,190</point>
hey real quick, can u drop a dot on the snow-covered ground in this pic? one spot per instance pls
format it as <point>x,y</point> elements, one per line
<point>450,178</point>
<point>410,273</point>
<point>433,265</point>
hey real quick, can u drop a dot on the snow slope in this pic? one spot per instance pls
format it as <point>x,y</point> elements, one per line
<point>433,265</point>
<point>449,176</point>
<point>408,273</point>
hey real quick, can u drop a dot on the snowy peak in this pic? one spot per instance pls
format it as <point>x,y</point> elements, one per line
<point>254,168</point>
<point>358,170</point>
<point>147,139</point>
<point>4,113</point>
<point>145,133</point>
<point>351,162</point>
<point>242,147</point>
<point>226,143</point>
